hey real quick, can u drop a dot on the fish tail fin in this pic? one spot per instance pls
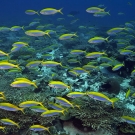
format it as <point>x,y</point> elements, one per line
<point>37,13</point>
<point>108,12</point>
<point>17,125</point>
<point>47,129</point>
<point>23,28</point>
<point>34,84</point>
<point>107,38</point>
<point>60,11</point>
<point>75,34</point>
<point>41,104</point>
<point>22,110</point>
<point>63,112</point>
<point>17,66</point>
<point>47,33</point>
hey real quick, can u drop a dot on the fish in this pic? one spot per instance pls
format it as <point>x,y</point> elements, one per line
<point>73,73</point>
<point>36,33</point>
<point>7,65</point>
<point>16,28</point>
<point>3,53</point>
<point>64,102</point>
<point>126,52</point>
<point>50,64</point>
<point>80,70</point>
<point>67,36</point>
<point>128,119</point>
<point>90,67</point>
<point>105,65</point>
<point>117,67</point>
<point>39,128</point>
<point>101,14</point>
<point>100,97</point>
<point>9,122</point>
<point>127,93</point>
<point>38,109</point>
<point>4,29</point>
<point>97,40</point>
<point>30,104</point>
<point>75,94</point>
<point>19,44</point>
<point>23,83</point>
<point>77,52</point>
<point>31,12</point>
<point>94,9</point>
<point>95,54</point>
<point>33,64</point>
<point>73,61</point>
<point>33,24</point>
<point>114,31</point>
<point>74,21</point>
<point>10,107</point>
<point>51,113</point>
<point>58,85</point>
<point>55,106</point>
<point>50,11</point>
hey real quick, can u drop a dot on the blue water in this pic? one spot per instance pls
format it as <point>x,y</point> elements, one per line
<point>12,12</point>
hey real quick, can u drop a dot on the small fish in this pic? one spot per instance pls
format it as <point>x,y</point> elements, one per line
<point>3,53</point>
<point>117,67</point>
<point>58,85</point>
<point>105,65</point>
<point>36,33</point>
<point>56,106</point>
<point>73,73</point>
<point>126,52</point>
<point>99,96</point>
<point>76,94</point>
<point>80,70</point>
<point>90,67</point>
<point>7,65</point>
<point>31,12</point>
<point>67,36</point>
<point>39,128</point>
<point>38,109</point>
<point>101,14</point>
<point>33,24</point>
<point>97,40</point>
<point>19,44</point>
<point>73,61</point>
<point>74,21</point>
<point>94,9</point>
<point>30,104</point>
<point>50,63</point>
<point>50,11</point>
<point>64,102</point>
<point>33,64</point>
<point>95,54</point>
<point>77,52</point>
<point>50,32</point>
<point>9,122</point>
<point>4,29</point>
<point>128,119</point>
<point>10,107</point>
<point>22,83</point>
<point>114,31</point>
<point>51,113</point>
<point>16,28</point>
<point>127,93</point>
